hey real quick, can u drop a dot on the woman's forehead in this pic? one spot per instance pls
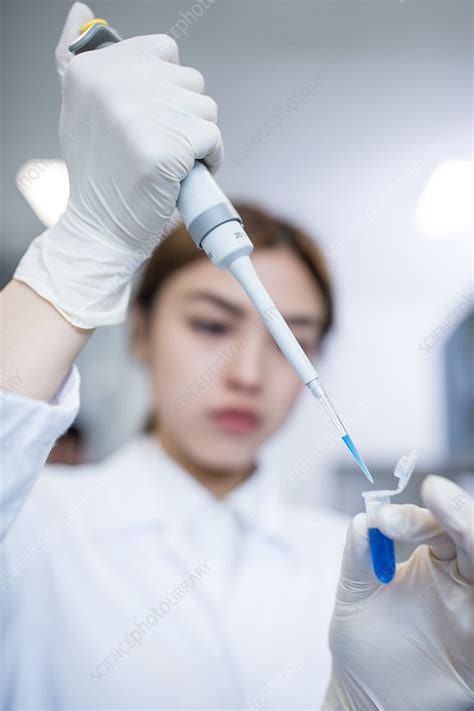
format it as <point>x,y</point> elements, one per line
<point>284,275</point>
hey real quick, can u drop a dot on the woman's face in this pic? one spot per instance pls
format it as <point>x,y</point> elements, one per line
<point>221,386</point>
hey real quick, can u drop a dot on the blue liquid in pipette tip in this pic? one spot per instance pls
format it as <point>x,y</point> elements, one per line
<point>355,453</point>
<point>383,555</point>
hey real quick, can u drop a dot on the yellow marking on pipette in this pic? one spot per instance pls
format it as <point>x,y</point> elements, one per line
<point>91,23</point>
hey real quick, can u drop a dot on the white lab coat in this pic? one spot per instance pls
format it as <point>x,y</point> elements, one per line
<point>126,585</point>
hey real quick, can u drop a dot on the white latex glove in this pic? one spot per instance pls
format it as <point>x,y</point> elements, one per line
<point>133,121</point>
<point>408,645</point>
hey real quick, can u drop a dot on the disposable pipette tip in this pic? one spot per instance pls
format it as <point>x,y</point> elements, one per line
<point>355,453</point>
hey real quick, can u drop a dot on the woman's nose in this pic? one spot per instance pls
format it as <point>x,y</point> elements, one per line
<point>246,369</point>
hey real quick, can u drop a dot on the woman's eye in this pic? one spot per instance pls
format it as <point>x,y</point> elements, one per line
<point>307,346</point>
<point>213,327</point>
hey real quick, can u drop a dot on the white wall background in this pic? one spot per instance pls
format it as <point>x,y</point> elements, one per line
<point>348,163</point>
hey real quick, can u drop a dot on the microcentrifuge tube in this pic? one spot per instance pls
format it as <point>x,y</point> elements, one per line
<point>382,549</point>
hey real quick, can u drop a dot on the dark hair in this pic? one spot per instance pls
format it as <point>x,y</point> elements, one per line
<point>266,232</point>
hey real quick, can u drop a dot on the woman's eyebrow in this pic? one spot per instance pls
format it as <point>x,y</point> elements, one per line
<point>311,321</point>
<point>212,298</point>
<point>230,307</point>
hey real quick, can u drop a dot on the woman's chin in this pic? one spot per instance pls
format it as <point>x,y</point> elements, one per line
<point>214,451</point>
<point>224,457</point>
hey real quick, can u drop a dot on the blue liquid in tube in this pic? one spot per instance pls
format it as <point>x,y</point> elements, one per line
<point>383,555</point>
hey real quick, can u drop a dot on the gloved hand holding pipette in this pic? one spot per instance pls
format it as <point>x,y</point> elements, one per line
<point>127,148</point>
<point>408,645</point>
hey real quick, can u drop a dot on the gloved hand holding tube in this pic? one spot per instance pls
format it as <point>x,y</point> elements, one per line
<point>116,215</point>
<point>410,644</point>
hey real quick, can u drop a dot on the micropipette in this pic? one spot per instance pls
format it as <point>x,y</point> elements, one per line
<point>216,227</point>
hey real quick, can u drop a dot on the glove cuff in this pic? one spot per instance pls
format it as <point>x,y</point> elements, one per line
<point>85,278</point>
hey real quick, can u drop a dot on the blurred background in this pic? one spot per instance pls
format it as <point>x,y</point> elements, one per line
<point>354,119</point>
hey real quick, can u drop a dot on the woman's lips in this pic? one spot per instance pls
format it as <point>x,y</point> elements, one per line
<point>236,421</point>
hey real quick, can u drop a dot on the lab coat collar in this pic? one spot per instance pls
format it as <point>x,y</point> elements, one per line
<point>164,494</point>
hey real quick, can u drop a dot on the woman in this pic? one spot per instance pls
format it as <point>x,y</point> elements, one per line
<point>172,575</point>
<point>189,498</point>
